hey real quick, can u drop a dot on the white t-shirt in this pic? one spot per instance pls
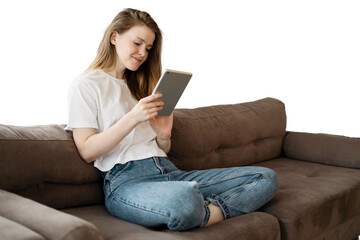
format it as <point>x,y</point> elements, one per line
<point>98,100</point>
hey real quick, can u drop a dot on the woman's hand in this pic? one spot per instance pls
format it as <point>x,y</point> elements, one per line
<point>147,108</point>
<point>162,126</point>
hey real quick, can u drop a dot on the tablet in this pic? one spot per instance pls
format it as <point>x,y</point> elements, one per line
<point>171,84</point>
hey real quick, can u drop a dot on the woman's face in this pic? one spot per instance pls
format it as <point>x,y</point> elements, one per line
<point>132,47</point>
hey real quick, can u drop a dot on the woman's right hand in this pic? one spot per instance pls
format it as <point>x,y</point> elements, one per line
<point>147,108</point>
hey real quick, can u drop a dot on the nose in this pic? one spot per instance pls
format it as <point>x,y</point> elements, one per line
<point>142,51</point>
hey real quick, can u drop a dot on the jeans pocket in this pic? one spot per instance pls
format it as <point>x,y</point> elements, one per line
<point>113,177</point>
<point>118,169</point>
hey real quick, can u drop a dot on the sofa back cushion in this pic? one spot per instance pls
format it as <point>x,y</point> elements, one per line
<point>43,164</point>
<point>228,135</point>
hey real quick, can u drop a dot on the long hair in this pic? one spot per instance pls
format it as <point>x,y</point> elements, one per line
<point>142,81</point>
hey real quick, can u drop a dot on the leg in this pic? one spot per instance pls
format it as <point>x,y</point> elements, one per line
<point>152,200</point>
<point>216,215</point>
<point>179,205</point>
<point>235,190</point>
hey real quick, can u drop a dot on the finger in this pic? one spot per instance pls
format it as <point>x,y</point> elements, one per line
<point>152,97</point>
<point>150,105</point>
<point>156,104</point>
<point>153,115</point>
<point>155,109</point>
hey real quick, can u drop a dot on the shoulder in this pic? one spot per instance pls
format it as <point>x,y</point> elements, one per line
<point>90,81</point>
<point>98,79</point>
<point>88,78</point>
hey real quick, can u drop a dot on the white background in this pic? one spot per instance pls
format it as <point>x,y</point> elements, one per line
<point>305,53</point>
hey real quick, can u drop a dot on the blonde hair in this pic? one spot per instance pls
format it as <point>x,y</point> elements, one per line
<point>141,82</point>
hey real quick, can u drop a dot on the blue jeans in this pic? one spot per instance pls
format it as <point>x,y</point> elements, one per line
<point>153,192</point>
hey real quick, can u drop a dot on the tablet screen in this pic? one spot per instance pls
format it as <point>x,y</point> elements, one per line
<point>171,84</point>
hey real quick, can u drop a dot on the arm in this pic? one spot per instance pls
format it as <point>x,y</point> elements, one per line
<point>164,143</point>
<point>162,126</point>
<point>92,145</point>
<point>23,215</point>
<point>323,148</point>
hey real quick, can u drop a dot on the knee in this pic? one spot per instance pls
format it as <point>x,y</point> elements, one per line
<point>269,174</point>
<point>188,200</point>
<point>271,179</point>
<point>188,209</point>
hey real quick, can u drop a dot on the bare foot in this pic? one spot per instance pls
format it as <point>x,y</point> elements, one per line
<point>216,214</point>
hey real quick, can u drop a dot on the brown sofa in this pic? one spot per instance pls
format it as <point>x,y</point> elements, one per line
<point>49,192</point>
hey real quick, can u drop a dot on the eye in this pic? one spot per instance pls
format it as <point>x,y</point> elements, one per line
<point>137,44</point>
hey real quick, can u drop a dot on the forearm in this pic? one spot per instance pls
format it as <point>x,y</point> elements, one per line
<point>96,145</point>
<point>164,142</point>
<point>92,145</point>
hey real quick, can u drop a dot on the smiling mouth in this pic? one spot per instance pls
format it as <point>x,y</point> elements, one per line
<point>138,60</point>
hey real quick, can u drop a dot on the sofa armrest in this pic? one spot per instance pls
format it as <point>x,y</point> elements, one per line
<point>43,220</point>
<point>10,230</point>
<point>323,148</point>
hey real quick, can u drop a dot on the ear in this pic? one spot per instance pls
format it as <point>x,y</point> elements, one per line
<point>113,38</point>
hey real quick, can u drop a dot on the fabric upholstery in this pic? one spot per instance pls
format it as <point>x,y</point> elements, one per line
<point>252,226</point>
<point>318,173</point>
<point>228,135</point>
<point>11,230</point>
<point>314,199</point>
<point>47,222</point>
<point>323,148</point>
<point>56,167</point>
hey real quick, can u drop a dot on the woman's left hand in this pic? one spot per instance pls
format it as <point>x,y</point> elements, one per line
<point>162,125</point>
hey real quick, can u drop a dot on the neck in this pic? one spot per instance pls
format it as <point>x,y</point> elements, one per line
<point>117,72</point>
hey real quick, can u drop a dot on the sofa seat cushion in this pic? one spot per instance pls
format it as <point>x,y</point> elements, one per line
<point>314,199</point>
<point>257,225</point>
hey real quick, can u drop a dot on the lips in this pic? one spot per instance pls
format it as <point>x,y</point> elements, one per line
<point>137,59</point>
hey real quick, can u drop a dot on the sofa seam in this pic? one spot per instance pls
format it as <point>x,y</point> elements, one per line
<point>36,140</point>
<point>250,142</point>
<point>90,228</point>
<point>220,115</point>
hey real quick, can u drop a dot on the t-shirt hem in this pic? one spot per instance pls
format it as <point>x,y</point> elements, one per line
<point>105,168</point>
<point>89,125</point>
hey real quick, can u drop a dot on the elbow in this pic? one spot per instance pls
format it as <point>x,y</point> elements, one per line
<point>85,149</point>
<point>167,149</point>
<point>86,156</point>
<point>87,159</point>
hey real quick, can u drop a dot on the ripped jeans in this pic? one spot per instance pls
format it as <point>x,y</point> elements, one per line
<point>153,192</point>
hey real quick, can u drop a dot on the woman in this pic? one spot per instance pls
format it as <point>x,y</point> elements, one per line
<point>115,124</point>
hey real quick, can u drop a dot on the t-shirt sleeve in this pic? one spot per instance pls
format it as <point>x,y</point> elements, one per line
<point>82,106</point>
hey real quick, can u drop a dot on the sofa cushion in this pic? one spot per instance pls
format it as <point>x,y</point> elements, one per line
<point>323,148</point>
<point>42,163</point>
<point>46,221</point>
<point>315,199</point>
<point>253,226</point>
<point>10,230</point>
<point>228,135</point>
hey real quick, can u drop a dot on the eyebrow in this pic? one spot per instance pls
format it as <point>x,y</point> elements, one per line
<point>149,45</point>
